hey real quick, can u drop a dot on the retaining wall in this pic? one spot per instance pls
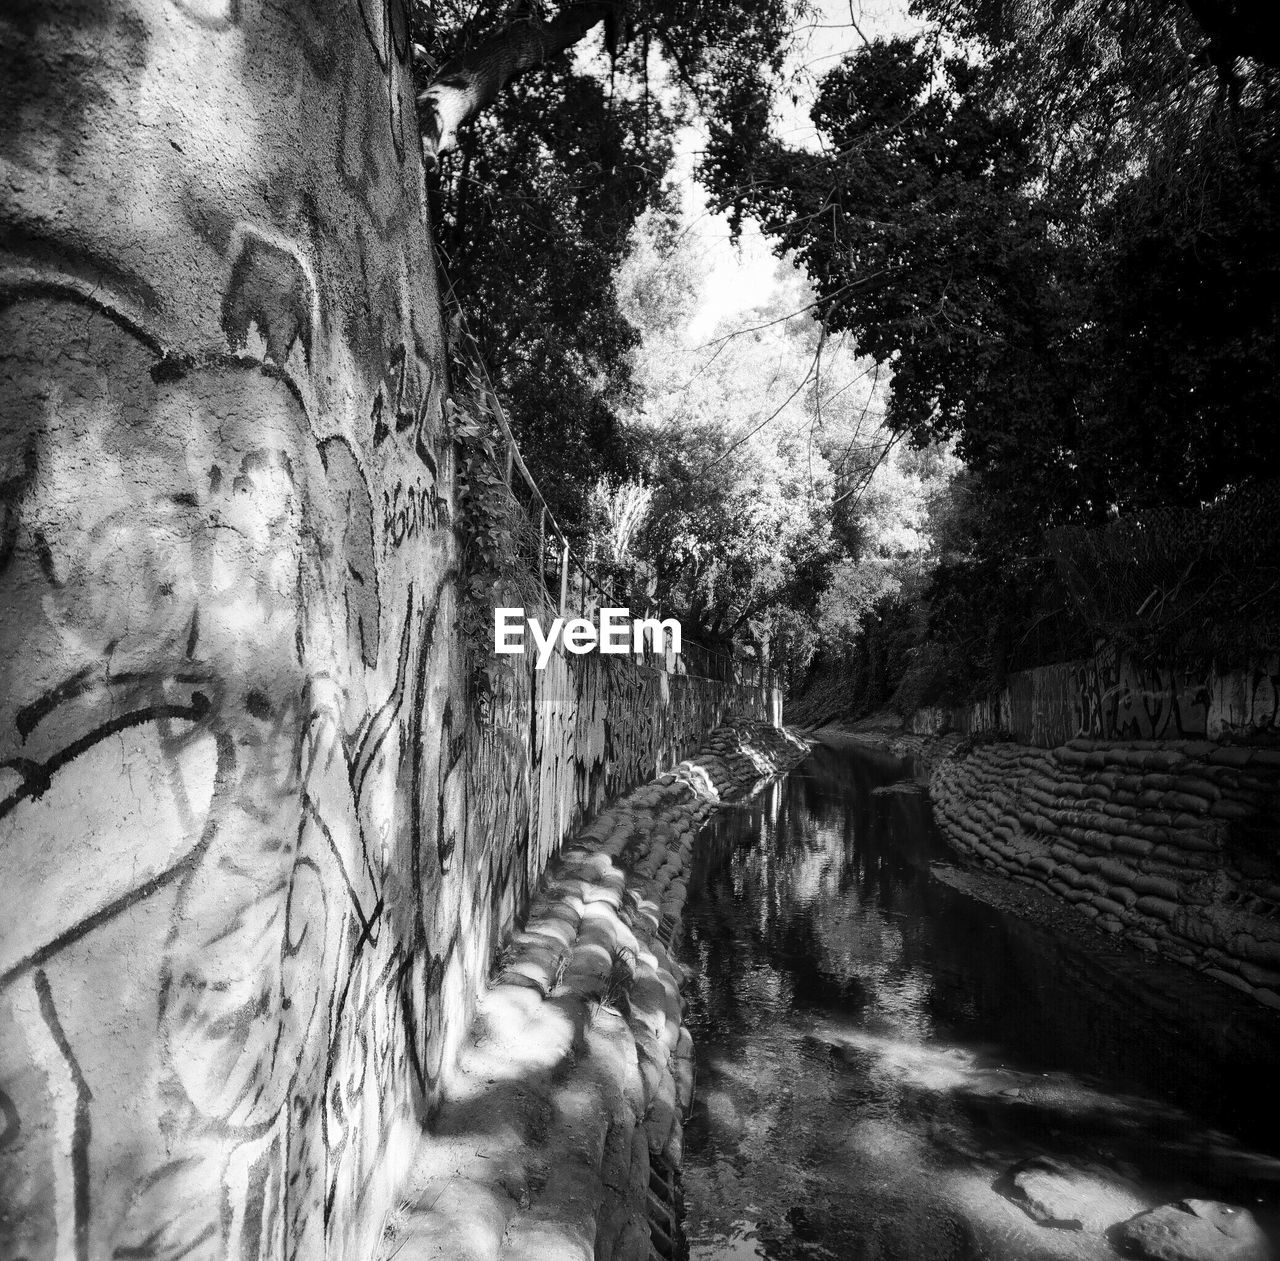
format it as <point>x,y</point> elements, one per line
<point>1171,843</point>
<point>256,840</point>
<point>1110,696</point>
<point>1149,797</point>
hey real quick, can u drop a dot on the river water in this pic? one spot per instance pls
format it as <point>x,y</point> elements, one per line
<point>881,1036</point>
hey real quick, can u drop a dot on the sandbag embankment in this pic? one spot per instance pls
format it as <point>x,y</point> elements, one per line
<point>1176,845</point>
<point>877,739</point>
<point>561,1131</point>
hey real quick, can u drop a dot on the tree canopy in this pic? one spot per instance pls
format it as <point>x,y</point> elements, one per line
<point>738,494</point>
<point>1050,228</point>
<point>549,130</point>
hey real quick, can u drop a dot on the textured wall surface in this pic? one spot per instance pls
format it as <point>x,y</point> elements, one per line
<point>1148,797</point>
<point>224,564</point>
<point>1169,843</point>
<point>563,1130</point>
<point>256,844</point>
<point>1112,697</point>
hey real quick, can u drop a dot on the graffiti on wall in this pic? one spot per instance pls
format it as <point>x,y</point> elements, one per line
<point>1245,703</point>
<point>220,682</point>
<point>1119,698</point>
<point>214,797</point>
<point>258,843</point>
<point>1112,697</point>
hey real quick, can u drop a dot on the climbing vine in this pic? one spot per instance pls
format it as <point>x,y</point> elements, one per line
<point>498,564</point>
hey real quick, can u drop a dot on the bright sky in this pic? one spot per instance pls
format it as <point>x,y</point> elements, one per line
<point>744,277</point>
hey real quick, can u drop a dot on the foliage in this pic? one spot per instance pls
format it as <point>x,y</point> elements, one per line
<point>707,48</point>
<point>731,532</point>
<point>616,515</point>
<point>1053,228</point>
<point>737,538</point>
<point>1157,126</point>
<point>532,217</point>
<point>533,212</point>
<point>849,603</point>
<point>1155,582</point>
<point>1105,78</point>
<point>1064,247</point>
<point>498,563</point>
<point>1186,319</point>
<point>921,232</point>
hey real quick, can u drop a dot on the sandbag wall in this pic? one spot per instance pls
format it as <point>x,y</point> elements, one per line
<point>528,764</point>
<point>562,1132</point>
<point>1171,843</point>
<point>258,830</point>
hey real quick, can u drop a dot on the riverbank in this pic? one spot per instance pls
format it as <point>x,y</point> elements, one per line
<point>882,736</point>
<point>901,1056</point>
<point>561,1130</point>
<point>1170,844</point>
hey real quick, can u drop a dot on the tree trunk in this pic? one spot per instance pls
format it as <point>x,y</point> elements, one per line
<point>473,80</point>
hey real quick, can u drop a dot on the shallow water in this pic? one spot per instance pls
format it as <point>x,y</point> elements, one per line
<point>877,1044</point>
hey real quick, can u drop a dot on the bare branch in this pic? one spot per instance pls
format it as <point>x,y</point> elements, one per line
<point>755,429</point>
<point>791,315</point>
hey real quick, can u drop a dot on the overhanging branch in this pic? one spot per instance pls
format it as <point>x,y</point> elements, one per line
<point>472,81</point>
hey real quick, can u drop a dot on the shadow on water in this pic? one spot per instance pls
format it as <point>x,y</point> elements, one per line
<point>878,1044</point>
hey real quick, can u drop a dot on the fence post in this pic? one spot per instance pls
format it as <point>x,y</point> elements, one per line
<point>542,544</point>
<point>564,574</point>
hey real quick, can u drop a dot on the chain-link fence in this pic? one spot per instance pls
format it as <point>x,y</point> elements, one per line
<point>566,585</point>
<point>1181,583</point>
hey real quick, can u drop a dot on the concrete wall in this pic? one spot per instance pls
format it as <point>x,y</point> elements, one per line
<point>1112,697</point>
<point>223,635</point>
<point>256,842</point>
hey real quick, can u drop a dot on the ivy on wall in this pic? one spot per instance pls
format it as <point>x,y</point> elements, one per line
<point>499,565</point>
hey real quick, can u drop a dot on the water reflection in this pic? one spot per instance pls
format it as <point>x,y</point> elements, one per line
<point>877,1047</point>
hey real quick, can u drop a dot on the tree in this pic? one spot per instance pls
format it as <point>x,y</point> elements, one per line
<point>738,491</point>
<point>546,140</point>
<point>1186,308</point>
<point>733,532</point>
<point>472,55</point>
<point>1056,230</point>
<point>1162,116</point>
<point>533,215</point>
<point>1065,249</point>
<point>921,231</point>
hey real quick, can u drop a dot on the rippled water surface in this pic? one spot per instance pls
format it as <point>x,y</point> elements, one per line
<point>878,1044</point>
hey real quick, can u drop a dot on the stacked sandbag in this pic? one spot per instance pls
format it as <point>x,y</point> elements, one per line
<point>738,755</point>
<point>923,750</point>
<point>561,1134</point>
<point>1173,844</point>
